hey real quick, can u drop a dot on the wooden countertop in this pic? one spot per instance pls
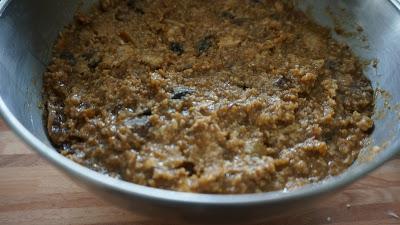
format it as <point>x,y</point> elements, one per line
<point>33,192</point>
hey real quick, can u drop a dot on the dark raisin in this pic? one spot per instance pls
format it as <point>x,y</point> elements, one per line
<point>189,167</point>
<point>115,109</point>
<point>276,16</point>
<point>371,129</point>
<point>181,92</point>
<point>282,82</point>
<point>227,15</point>
<point>331,64</point>
<point>146,112</point>
<point>177,48</point>
<point>204,44</point>
<point>132,4</point>
<point>304,94</point>
<point>69,57</point>
<point>76,139</point>
<point>94,62</point>
<point>139,11</point>
<point>87,55</point>
<point>232,18</point>
<point>243,86</point>
<point>82,19</point>
<point>239,21</point>
<point>328,136</point>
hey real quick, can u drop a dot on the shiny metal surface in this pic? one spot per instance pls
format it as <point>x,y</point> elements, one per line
<point>3,5</point>
<point>396,3</point>
<point>28,29</point>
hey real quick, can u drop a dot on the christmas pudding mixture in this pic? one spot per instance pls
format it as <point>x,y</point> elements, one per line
<point>206,96</point>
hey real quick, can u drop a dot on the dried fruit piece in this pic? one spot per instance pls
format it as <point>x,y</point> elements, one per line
<point>177,48</point>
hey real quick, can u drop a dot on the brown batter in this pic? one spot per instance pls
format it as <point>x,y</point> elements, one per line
<point>206,96</point>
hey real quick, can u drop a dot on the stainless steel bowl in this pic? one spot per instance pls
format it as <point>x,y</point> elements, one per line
<point>29,28</point>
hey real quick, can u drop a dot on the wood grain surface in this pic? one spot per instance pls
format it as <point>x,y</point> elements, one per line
<point>33,192</point>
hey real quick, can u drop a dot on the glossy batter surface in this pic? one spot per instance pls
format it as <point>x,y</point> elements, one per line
<point>206,96</point>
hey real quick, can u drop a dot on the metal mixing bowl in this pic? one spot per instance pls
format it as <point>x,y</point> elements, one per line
<point>28,29</point>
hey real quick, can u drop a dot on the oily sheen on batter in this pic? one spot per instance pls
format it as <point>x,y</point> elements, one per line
<point>206,96</point>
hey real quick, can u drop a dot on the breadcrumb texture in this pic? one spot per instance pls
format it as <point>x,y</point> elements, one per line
<point>206,96</point>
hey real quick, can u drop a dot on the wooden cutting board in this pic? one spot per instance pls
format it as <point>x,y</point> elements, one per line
<point>33,192</point>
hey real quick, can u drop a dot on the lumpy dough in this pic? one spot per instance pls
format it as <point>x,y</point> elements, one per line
<point>206,96</point>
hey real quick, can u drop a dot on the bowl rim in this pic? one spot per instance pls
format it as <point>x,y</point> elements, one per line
<point>134,190</point>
